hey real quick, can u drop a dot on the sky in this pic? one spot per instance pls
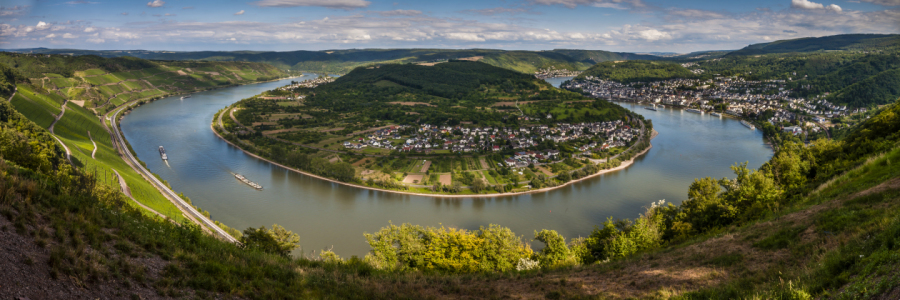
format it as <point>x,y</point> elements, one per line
<point>286,25</point>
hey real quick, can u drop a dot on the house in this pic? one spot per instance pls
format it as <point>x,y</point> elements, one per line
<point>793,129</point>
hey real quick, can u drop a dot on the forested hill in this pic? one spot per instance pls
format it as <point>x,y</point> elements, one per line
<point>452,83</point>
<point>343,61</point>
<point>826,43</point>
<point>103,83</point>
<point>634,71</point>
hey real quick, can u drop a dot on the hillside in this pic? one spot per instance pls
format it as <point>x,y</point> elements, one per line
<point>100,84</point>
<point>826,43</point>
<point>343,61</point>
<point>634,71</point>
<point>73,97</point>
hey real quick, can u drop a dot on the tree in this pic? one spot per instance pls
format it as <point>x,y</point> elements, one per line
<point>276,241</point>
<point>555,252</point>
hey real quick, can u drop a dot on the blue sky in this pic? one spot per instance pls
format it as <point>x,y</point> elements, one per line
<point>284,25</point>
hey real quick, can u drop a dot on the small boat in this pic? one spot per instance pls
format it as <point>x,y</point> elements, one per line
<point>185,96</point>
<point>694,110</point>
<point>162,153</point>
<point>748,125</point>
<point>247,181</point>
<point>650,108</point>
<point>716,114</point>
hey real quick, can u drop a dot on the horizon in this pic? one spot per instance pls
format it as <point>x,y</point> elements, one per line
<point>528,25</point>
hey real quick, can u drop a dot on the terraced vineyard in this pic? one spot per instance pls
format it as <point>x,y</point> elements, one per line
<point>104,85</point>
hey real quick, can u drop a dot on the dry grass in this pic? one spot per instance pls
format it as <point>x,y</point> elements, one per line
<point>413,179</point>
<point>446,179</point>
<point>407,103</point>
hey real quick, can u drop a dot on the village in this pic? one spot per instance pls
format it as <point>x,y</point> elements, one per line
<point>730,95</point>
<point>585,139</point>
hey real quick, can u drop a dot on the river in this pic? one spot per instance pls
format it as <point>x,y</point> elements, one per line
<point>328,215</point>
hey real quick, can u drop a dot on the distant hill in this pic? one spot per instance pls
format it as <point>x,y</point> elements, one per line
<point>825,43</point>
<point>443,84</point>
<point>637,70</point>
<point>343,61</point>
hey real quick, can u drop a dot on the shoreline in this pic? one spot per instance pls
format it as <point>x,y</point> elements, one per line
<point>625,164</point>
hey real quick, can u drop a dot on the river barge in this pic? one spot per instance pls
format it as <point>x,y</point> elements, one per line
<point>247,181</point>
<point>650,108</point>
<point>748,125</point>
<point>162,153</point>
<point>716,114</point>
<point>694,110</point>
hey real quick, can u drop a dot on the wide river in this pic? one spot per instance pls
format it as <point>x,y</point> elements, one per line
<point>328,215</point>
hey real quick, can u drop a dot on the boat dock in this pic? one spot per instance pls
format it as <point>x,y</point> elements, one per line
<point>247,181</point>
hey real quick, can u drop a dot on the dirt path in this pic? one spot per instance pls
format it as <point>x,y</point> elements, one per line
<point>15,89</point>
<point>93,153</point>
<point>68,153</point>
<point>127,192</point>
<point>58,117</point>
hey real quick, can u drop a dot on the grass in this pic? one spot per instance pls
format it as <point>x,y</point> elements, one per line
<point>35,112</point>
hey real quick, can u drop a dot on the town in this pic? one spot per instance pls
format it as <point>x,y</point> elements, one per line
<point>731,95</point>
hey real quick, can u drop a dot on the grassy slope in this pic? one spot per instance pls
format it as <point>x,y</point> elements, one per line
<point>41,104</point>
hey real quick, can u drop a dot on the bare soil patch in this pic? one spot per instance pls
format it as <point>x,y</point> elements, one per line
<point>473,58</point>
<point>182,73</point>
<point>413,179</point>
<point>511,103</point>
<point>335,159</point>
<point>484,164</point>
<point>544,170</point>
<point>425,167</point>
<point>78,102</point>
<point>412,103</point>
<point>446,179</point>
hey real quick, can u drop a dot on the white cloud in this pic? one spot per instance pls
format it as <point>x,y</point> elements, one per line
<point>41,25</point>
<point>617,4</point>
<point>337,4</point>
<point>124,13</point>
<point>497,11</point>
<point>883,2</point>
<point>69,36</point>
<point>90,29</point>
<point>399,12</point>
<point>834,8</point>
<point>239,13</point>
<point>156,3</point>
<point>170,15</point>
<point>50,36</point>
<point>13,11</point>
<point>806,4</point>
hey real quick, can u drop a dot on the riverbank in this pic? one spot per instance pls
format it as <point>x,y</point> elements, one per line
<point>624,165</point>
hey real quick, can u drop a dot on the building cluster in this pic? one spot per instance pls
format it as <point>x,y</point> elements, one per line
<point>739,97</point>
<point>554,72</point>
<point>309,83</point>
<point>459,139</point>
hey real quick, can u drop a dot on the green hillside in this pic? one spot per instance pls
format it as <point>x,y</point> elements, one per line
<point>343,61</point>
<point>634,71</point>
<point>826,43</point>
<point>82,89</point>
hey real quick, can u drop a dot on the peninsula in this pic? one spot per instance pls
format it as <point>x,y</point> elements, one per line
<point>456,129</point>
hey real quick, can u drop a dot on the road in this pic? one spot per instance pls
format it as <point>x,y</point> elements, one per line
<point>180,203</point>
